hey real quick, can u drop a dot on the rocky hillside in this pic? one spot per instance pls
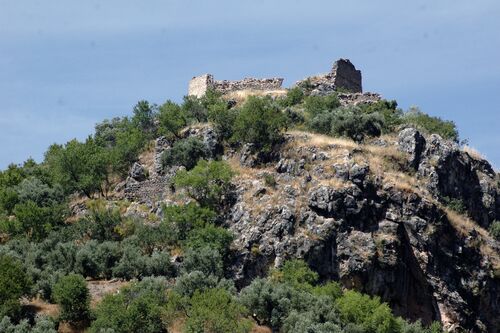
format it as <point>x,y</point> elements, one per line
<point>375,216</point>
<point>315,209</point>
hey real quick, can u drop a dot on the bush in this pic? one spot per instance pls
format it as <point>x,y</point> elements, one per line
<point>314,105</point>
<point>13,284</point>
<point>293,97</point>
<point>78,166</point>
<point>208,183</point>
<point>388,111</point>
<point>72,295</point>
<point>446,129</point>
<point>185,152</point>
<point>35,221</point>
<point>223,120</point>
<point>271,302</point>
<point>101,223</point>
<point>172,119</point>
<point>137,308</point>
<point>297,274</point>
<point>42,325</point>
<point>495,230</point>
<point>206,260</point>
<point>260,122</point>
<point>144,114</point>
<point>215,310</point>
<point>8,199</point>
<point>33,189</point>
<point>210,236</point>
<point>456,205</point>
<point>187,284</point>
<point>355,125</point>
<point>180,220</point>
<point>367,312</point>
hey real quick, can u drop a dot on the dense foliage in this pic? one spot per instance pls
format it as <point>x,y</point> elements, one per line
<point>72,295</point>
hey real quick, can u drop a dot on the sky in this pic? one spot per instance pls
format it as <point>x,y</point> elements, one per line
<point>66,65</point>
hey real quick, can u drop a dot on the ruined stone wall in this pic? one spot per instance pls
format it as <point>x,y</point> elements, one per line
<point>199,85</point>
<point>343,76</point>
<point>226,86</point>
<point>346,76</point>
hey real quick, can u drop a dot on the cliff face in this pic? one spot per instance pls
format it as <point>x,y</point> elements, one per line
<point>371,216</point>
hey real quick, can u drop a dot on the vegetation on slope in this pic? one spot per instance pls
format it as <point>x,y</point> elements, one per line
<point>44,255</point>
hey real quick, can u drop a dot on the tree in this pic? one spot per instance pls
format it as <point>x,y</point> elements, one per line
<point>35,221</point>
<point>215,310</point>
<point>206,260</point>
<point>78,166</point>
<point>72,295</point>
<point>297,274</point>
<point>144,115</point>
<point>180,220</point>
<point>368,312</point>
<point>185,152</point>
<point>137,308</point>
<point>207,183</point>
<point>259,122</point>
<point>13,284</point>
<point>172,119</point>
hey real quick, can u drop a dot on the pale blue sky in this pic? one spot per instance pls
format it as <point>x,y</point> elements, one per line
<point>65,65</point>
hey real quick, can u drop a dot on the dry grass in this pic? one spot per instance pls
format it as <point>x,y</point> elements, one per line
<point>475,154</point>
<point>465,226</point>
<point>321,141</point>
<point>241,95</point>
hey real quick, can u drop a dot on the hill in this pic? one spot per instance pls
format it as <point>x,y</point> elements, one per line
<point>250,207</point>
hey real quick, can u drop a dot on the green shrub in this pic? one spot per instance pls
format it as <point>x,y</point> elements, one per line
<point>293,97</point>
<point>456,205</point>
<point>100,223</point>
<point>13,284</point>
<point>368,312</point>
<point>208,183</point>
<point>188,283</point>
<point>79,166</point>
<point>271,302</point>
<point>132,264</point>
<point>42,325</point>
<point>215,310</point>
<point>33,189</point>
<point>259,122</point>
<point>180,220</point>
<point>314,105</point>
<point>270,180</point>
<point>72,295</point>
<point>210,236</point>
<point>206,260</point>
<point>195,109</point>
<point>355,125</point>
<point>495,230</point>
<point>446,129</point>
<point>36,222</point>
<point>137,308</point>
<point>388,111</point>
<point>297,274</point>
<point>8,199</point>
<point>185,152</point>
<point>144,115</point>
<point>223,120</point>
<point>172,119</point>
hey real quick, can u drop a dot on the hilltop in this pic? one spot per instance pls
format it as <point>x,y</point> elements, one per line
<point>252,207</point>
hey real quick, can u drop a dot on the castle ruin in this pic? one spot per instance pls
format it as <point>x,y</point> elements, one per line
<point>343,78</point>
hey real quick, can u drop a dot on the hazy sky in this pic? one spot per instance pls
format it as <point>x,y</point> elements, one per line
<point>65,65</point>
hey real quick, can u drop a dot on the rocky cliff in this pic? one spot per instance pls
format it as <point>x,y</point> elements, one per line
<point>375,216</point>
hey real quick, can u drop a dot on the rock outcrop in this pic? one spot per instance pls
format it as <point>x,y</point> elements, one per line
<point>352,225</point>
<point>359,217</point>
